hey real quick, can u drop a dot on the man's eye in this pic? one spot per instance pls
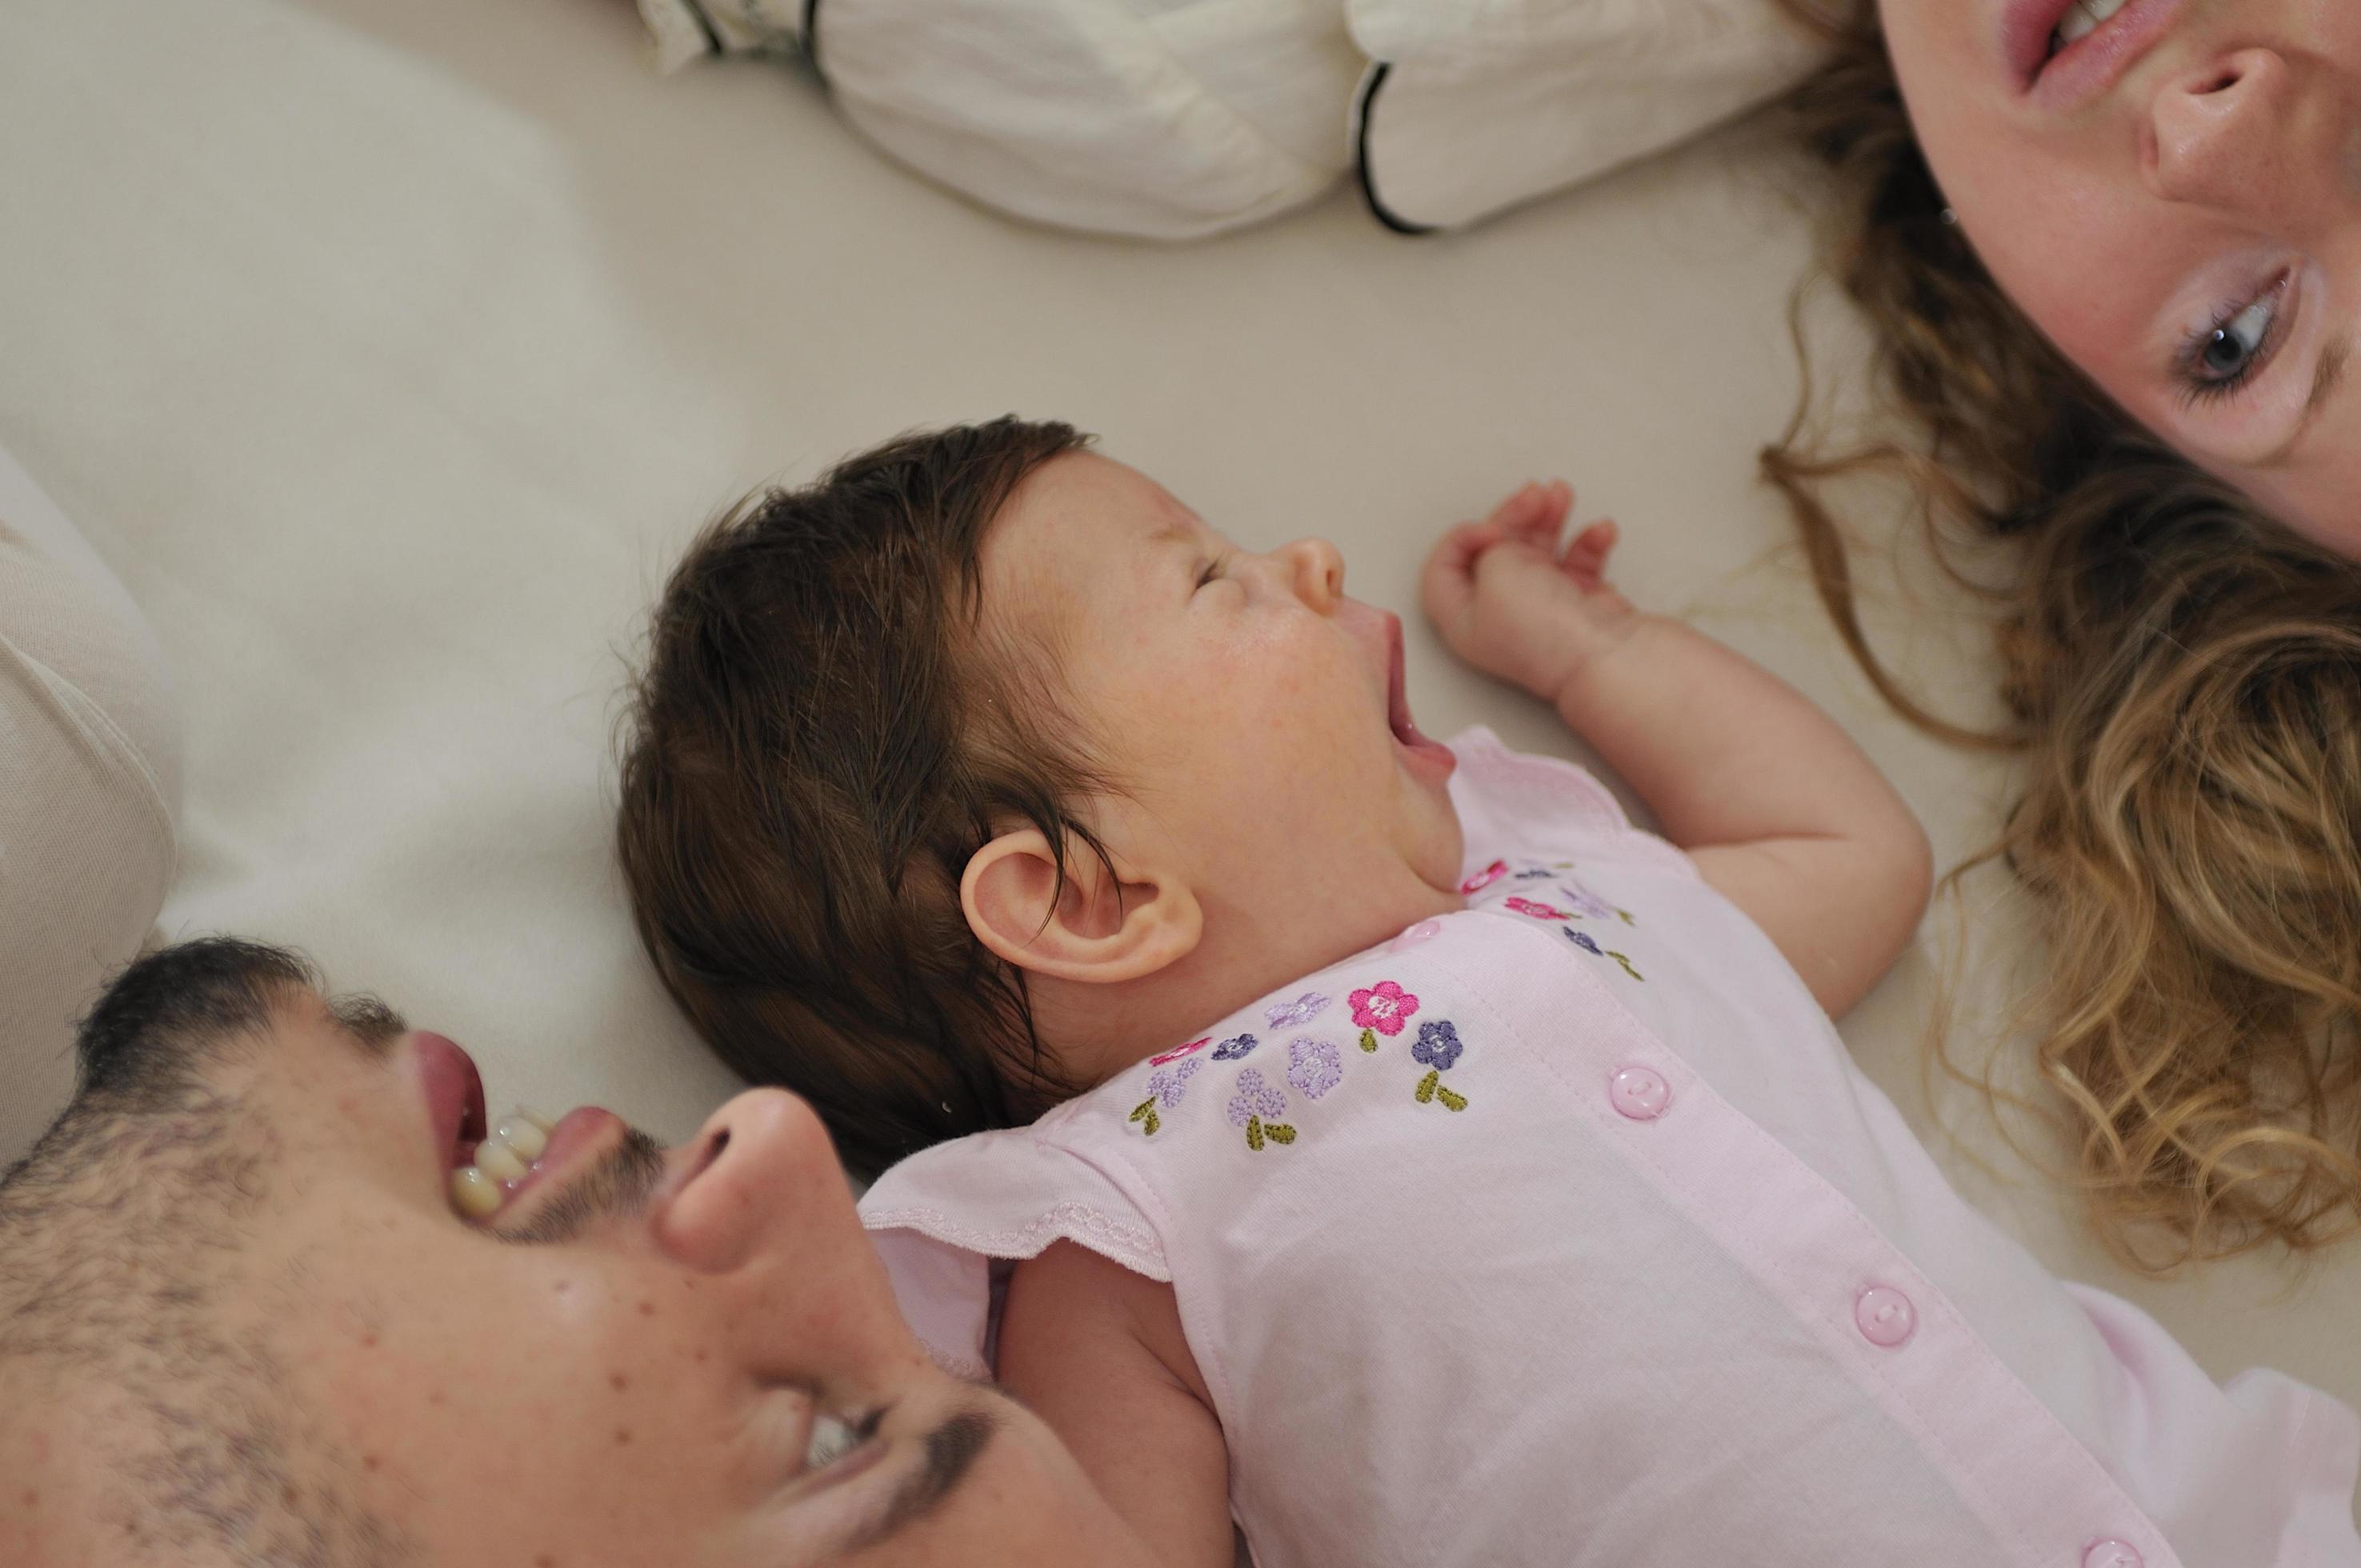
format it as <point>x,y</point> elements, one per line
<point>2226,357</point>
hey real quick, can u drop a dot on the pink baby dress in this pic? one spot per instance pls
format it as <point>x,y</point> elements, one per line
<point>1563,1231</point>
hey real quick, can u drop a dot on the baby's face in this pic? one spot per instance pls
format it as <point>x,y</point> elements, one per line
<point>1253,714</point>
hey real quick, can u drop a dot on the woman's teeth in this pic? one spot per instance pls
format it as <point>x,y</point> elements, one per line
<point>2082,18</point>
<point>501,1161</point>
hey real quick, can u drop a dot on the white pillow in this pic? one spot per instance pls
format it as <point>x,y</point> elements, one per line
<point>1175,119</point>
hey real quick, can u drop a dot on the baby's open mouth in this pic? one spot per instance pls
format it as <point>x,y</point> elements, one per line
<point>1398,715</point>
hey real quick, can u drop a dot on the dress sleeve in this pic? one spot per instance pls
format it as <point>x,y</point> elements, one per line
<point>944,1221</point>
<point>1512,803</point>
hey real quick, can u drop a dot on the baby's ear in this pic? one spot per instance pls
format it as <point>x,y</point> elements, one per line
<point>1099,928</point>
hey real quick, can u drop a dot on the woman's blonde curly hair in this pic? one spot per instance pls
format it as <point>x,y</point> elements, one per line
<point>2183,680</point>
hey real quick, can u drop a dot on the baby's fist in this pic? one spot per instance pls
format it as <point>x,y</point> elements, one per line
<point>1508,601</point>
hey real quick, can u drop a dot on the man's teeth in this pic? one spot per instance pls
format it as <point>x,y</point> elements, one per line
<point>501,1161</point>
<point>2084,18</point>
<point>831,1440</point>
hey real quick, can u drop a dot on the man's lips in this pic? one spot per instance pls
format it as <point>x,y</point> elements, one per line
<point>455,1097</point>
<point>2091,65</point>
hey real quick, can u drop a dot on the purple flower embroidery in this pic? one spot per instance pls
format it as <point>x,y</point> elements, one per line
<point>1235,1046</point>
<point>1585,901</point>
<point>1255,1099</point>
<point>1314,1067</point>
<point>1438,1045</point>
<point>1583,941</point>
<point>1384,1007</point>
<point>1533,873</point>
<point>1166,1085</point>
<point>1296,1013</point>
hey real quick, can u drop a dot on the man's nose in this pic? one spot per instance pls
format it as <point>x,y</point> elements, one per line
<point>760,1171</point>
<point>2223,138</point>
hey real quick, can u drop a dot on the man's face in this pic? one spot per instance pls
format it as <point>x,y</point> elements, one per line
<point>640,1382</point>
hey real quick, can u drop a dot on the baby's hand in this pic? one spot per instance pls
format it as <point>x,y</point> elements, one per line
<point>1510,602</point>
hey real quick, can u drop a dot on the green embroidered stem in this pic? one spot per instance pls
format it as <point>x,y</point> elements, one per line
<point>1145,1111</point>
<point>1619,959</point>
<point>1254,1134</point>
<point>1427,1085</point>
<point>1451,1101</point>
<point>1625,916</point>
<point>1278,1133</point>
<point>1369,1041</point>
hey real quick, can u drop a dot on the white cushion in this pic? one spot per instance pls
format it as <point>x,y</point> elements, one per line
<point>1176,119</point>
<point>1476,106</point>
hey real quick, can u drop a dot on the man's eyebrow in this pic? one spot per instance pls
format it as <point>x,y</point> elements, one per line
<point>366,1019</point>
<point>952,1450</point>
<point>2334,360</point>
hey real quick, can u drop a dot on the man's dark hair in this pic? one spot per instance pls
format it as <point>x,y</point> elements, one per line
<point>823,734</point>
<point>118,1236</point>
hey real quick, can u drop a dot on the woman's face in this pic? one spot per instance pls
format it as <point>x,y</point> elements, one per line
<point>2171,190</point>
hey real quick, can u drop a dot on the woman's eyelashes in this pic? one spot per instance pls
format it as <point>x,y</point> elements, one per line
<point>2222,359</point>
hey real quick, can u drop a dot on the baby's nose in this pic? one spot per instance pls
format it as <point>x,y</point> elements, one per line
<point>1319,569</point>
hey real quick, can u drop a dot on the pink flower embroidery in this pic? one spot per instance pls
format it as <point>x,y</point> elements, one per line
<point>1486,877</point>
<point>1176,1052</point>
<point>1538,911</point>
<point>1384,1007</point>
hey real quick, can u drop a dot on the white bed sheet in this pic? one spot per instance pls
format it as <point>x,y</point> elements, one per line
<point>390,349</point>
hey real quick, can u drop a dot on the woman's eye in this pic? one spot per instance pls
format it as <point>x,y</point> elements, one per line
<point>2226,357</point>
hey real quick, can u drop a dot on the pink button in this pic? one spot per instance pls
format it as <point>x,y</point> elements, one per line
<point>1884,1315</point>
<point>2112,1553</point>
<point>1424,931</point>
<point>1639,1093</point>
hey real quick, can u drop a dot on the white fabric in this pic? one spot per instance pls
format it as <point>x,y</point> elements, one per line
<point>1480,107</point>
<point>392,350</point>
<point>1176,119</point>
<point>1457,1303</point>
<point>90,784</point>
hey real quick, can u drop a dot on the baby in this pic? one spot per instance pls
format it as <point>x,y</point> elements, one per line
<point>1378,1143</point>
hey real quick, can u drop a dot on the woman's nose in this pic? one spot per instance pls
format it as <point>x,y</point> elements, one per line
<point>1318,569</point>
<point>2221,136</point>
<point>761,1170</point>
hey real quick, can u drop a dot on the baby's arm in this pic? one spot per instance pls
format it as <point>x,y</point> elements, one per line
<point>1780,810</point>
<point>1096,1351</point>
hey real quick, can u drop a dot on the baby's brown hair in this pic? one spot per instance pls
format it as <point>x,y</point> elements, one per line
<point>824,732</point>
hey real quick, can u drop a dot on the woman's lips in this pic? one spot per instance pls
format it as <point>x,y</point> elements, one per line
<point>2087,69</point>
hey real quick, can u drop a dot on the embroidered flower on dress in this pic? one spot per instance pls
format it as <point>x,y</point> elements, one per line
<point>1438,1045</point>
<point>1585,901</point>
<point>1533,873</point>
<point>1176,1052</point>
<point>1255,1098</point>
<point>1167,1087</point>
<point>1314,1067</point>
<point>1235,1046</point>
<point>1486,877</point>
<point>1587,945</point>
<point>1538,911</point>
<point>1296,1013</point>
<point>1384,1007</point>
